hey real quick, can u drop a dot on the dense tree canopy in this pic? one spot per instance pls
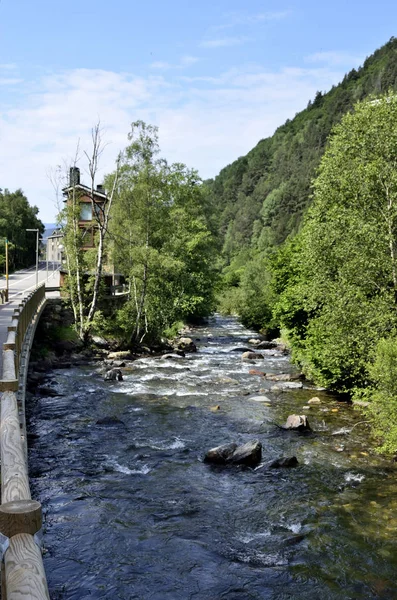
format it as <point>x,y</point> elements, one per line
<point>16,215</point>
<point>161,239</point>
<point>261,198</point>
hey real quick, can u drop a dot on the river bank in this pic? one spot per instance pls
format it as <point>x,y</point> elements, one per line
<point>132,511</point>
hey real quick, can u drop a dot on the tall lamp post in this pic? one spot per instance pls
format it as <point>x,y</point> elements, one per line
<point>37,255</point>
<point>7,282</point>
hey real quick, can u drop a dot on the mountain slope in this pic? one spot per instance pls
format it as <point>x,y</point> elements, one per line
<point>261,197</point>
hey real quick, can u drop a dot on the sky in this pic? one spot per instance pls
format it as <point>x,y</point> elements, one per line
<point>214,76</point>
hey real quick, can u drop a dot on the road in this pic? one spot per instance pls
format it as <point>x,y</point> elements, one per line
<point>24,281</point>
<point>21,283</point>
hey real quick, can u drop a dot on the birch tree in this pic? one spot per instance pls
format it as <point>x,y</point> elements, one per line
<point>84,299</point>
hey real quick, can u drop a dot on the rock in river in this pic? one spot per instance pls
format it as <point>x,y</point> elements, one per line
<point>186,344</point>
<point>251,356</point>
<point>248,454</point>
<point>220,454</point>
<point>285,461</point>
<point>114,375</point>
<point>297,423</point>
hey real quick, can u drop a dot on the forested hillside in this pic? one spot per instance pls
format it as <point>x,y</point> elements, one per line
<point>308,222</point>
<point>261,197</point>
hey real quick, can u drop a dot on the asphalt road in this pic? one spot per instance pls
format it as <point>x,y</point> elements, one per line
<point>24,281</point>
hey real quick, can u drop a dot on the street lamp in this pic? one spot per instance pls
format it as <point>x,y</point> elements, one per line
<point>7,282</point>
<point>37,254</point>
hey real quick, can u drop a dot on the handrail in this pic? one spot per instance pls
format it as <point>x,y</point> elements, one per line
<point>20,516</point>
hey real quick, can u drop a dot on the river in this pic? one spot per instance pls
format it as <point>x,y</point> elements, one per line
<point>132,512</point>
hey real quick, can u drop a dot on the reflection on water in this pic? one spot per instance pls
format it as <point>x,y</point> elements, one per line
<point>131,511</point>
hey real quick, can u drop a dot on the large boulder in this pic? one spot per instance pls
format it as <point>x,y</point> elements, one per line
<point>297,423</point>
<point>249,454</point>
<point>220,454</point>
<point>251,356</point>
<point>186,344</point>
<point>265,345</point>
<point>100,341</point>
<point>114,375</point>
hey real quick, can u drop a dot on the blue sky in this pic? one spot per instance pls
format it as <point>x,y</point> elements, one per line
<point>216,77</point>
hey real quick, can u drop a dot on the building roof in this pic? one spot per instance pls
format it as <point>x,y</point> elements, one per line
<point>85,189</point>
<point>57,233</point>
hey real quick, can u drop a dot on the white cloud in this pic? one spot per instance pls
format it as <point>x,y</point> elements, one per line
<point>185,61</point>
<point>335,58</point>
<point>205,122</point>
<point>10,81</point>
<point>235,19</point>
<point>8,66</point>
<point>224,42</point>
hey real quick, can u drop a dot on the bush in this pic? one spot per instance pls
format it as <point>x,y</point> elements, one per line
<point>382,394</point>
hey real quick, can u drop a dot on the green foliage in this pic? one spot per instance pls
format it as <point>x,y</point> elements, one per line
<point>340,295</point>
<point>382,393</point>
<point>16,215</point>
<point>162,232</point>
<point>261,198</point>
<point>172,331</point>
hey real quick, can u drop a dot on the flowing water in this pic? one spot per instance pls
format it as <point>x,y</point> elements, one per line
<point>132,512</point>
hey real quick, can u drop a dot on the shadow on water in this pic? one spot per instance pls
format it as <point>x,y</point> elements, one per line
<point>132,512</point>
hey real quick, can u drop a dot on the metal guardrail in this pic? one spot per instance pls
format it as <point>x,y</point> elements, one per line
<point>23,573</point>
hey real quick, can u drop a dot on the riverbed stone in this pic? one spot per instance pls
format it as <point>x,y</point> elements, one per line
<point>48,392</point>
<point>113,375</point>
<point>254,341</point>
<point>287,385</point>
<point>241,349</point>
<point>256,372</point>
<point>282,377</point>
<point>121,355</point>
<point>285,461</point>
<point>248,454</point>
<point>251,356</point>
<point>297,423</point>
<point>100,341</point>
<point>186,344</point>
<point>220,454</point>
<point>266,345</point>
<point>260,399</point>
<point>115,363</point>
<point>314,400</point>
<point>228,380</point>
<point>172,355</point>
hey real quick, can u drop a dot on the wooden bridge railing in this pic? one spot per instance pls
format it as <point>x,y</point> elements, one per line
<point>20,516</point>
